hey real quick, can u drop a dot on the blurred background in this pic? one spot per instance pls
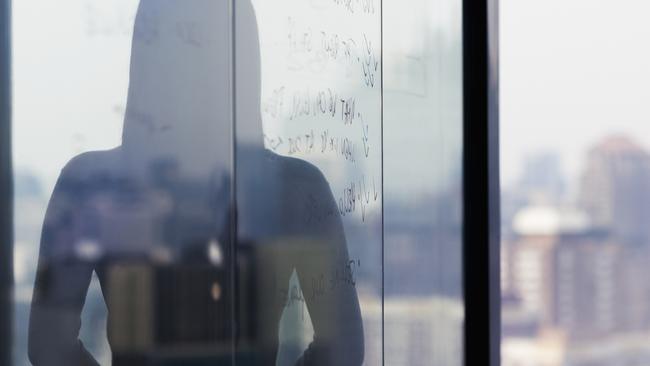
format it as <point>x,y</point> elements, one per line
<point>575,134</point>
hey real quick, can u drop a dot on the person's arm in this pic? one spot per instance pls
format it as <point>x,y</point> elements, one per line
<point>61,285</point>
<point>325,272</point>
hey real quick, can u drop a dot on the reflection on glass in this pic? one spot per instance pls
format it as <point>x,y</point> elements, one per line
<point>423,305</point>
<point>155,217</point>
<point>231,207</point>
<point>321,104</point>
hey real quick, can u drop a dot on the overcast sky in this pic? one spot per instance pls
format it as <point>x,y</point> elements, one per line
<point>572,71</point>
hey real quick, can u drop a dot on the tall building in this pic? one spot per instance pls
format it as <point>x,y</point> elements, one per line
<point>422,331</point>
<point>542,178</point>
<point>572,276</point>
<point>541,182</point>
<point>615,189</point>
<point>539,232</point>
<point>586,288</point>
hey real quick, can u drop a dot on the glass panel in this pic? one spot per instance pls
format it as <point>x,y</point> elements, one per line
<point>138,229</point>
<point>423,182</point>
<point>310,204</point>
<point>203,182</point>
<point>71,63</point>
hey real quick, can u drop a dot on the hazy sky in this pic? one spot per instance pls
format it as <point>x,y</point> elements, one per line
<point>71,68</point>
<point>572,71</point>
<point>70,76</point>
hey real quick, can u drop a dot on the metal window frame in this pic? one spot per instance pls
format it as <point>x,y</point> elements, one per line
<point>481,191</point>
<point>6,191</point>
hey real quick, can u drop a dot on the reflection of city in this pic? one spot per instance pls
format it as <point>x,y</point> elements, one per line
<point>418,330</point>
<point>575,265</point>
<point>421,316</point>
<point>423,311</point>
<point>424,316</point>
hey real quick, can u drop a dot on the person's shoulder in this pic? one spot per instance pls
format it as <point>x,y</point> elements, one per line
<point>307,186</point>
<point>302,172</point>
<point>90,164</point>
<point>289,177</point>
<point>308,197</point>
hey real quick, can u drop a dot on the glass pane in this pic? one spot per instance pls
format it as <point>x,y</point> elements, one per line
<point>123,131</point>
<point>423,309</point>
<point>310,204</point>
<point>70,85</point>
<point>234,182</point>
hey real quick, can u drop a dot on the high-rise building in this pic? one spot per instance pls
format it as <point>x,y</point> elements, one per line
<point>586,287</point>
<point>570,275</point>
<point>422,331</point>
<point>615,189</point>
<point>539,231</point>
<point>542,178</point>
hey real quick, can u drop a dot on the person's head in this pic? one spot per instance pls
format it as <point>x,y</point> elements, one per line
<point>191,62</point>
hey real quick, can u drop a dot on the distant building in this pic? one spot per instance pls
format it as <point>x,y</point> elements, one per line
<point>541,182</point>
<point>553,348</point>
<point>423,331</point>
<point>539,231</point>
<point>548,349</point>
<point>615,189</point>
<point>573,277</point>
<point>586,286</point>
<point>542,178</point>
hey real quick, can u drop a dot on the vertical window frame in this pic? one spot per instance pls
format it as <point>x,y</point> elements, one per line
<point>481,189</point>
<point>6,189</point>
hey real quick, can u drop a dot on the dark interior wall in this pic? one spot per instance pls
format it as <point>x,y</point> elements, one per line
<point>6,222</point>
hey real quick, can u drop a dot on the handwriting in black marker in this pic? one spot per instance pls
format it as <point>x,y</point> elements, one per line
<point>367,6</point>
<point>273,142</point>
<point>357,196</point>
<point>369,64</point>
<point>306,50</point>
<point>366,141</point>
<point>275,104</point>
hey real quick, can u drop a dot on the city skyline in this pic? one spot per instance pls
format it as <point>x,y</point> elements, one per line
<point>570,166</point>
<point>572,263</point>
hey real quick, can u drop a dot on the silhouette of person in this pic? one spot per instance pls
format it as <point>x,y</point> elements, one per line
<point>192,227</point>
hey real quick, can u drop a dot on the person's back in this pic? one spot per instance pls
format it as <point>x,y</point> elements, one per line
<point>162,252</point>
<point>157,247</point>
<point>193,249</point>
